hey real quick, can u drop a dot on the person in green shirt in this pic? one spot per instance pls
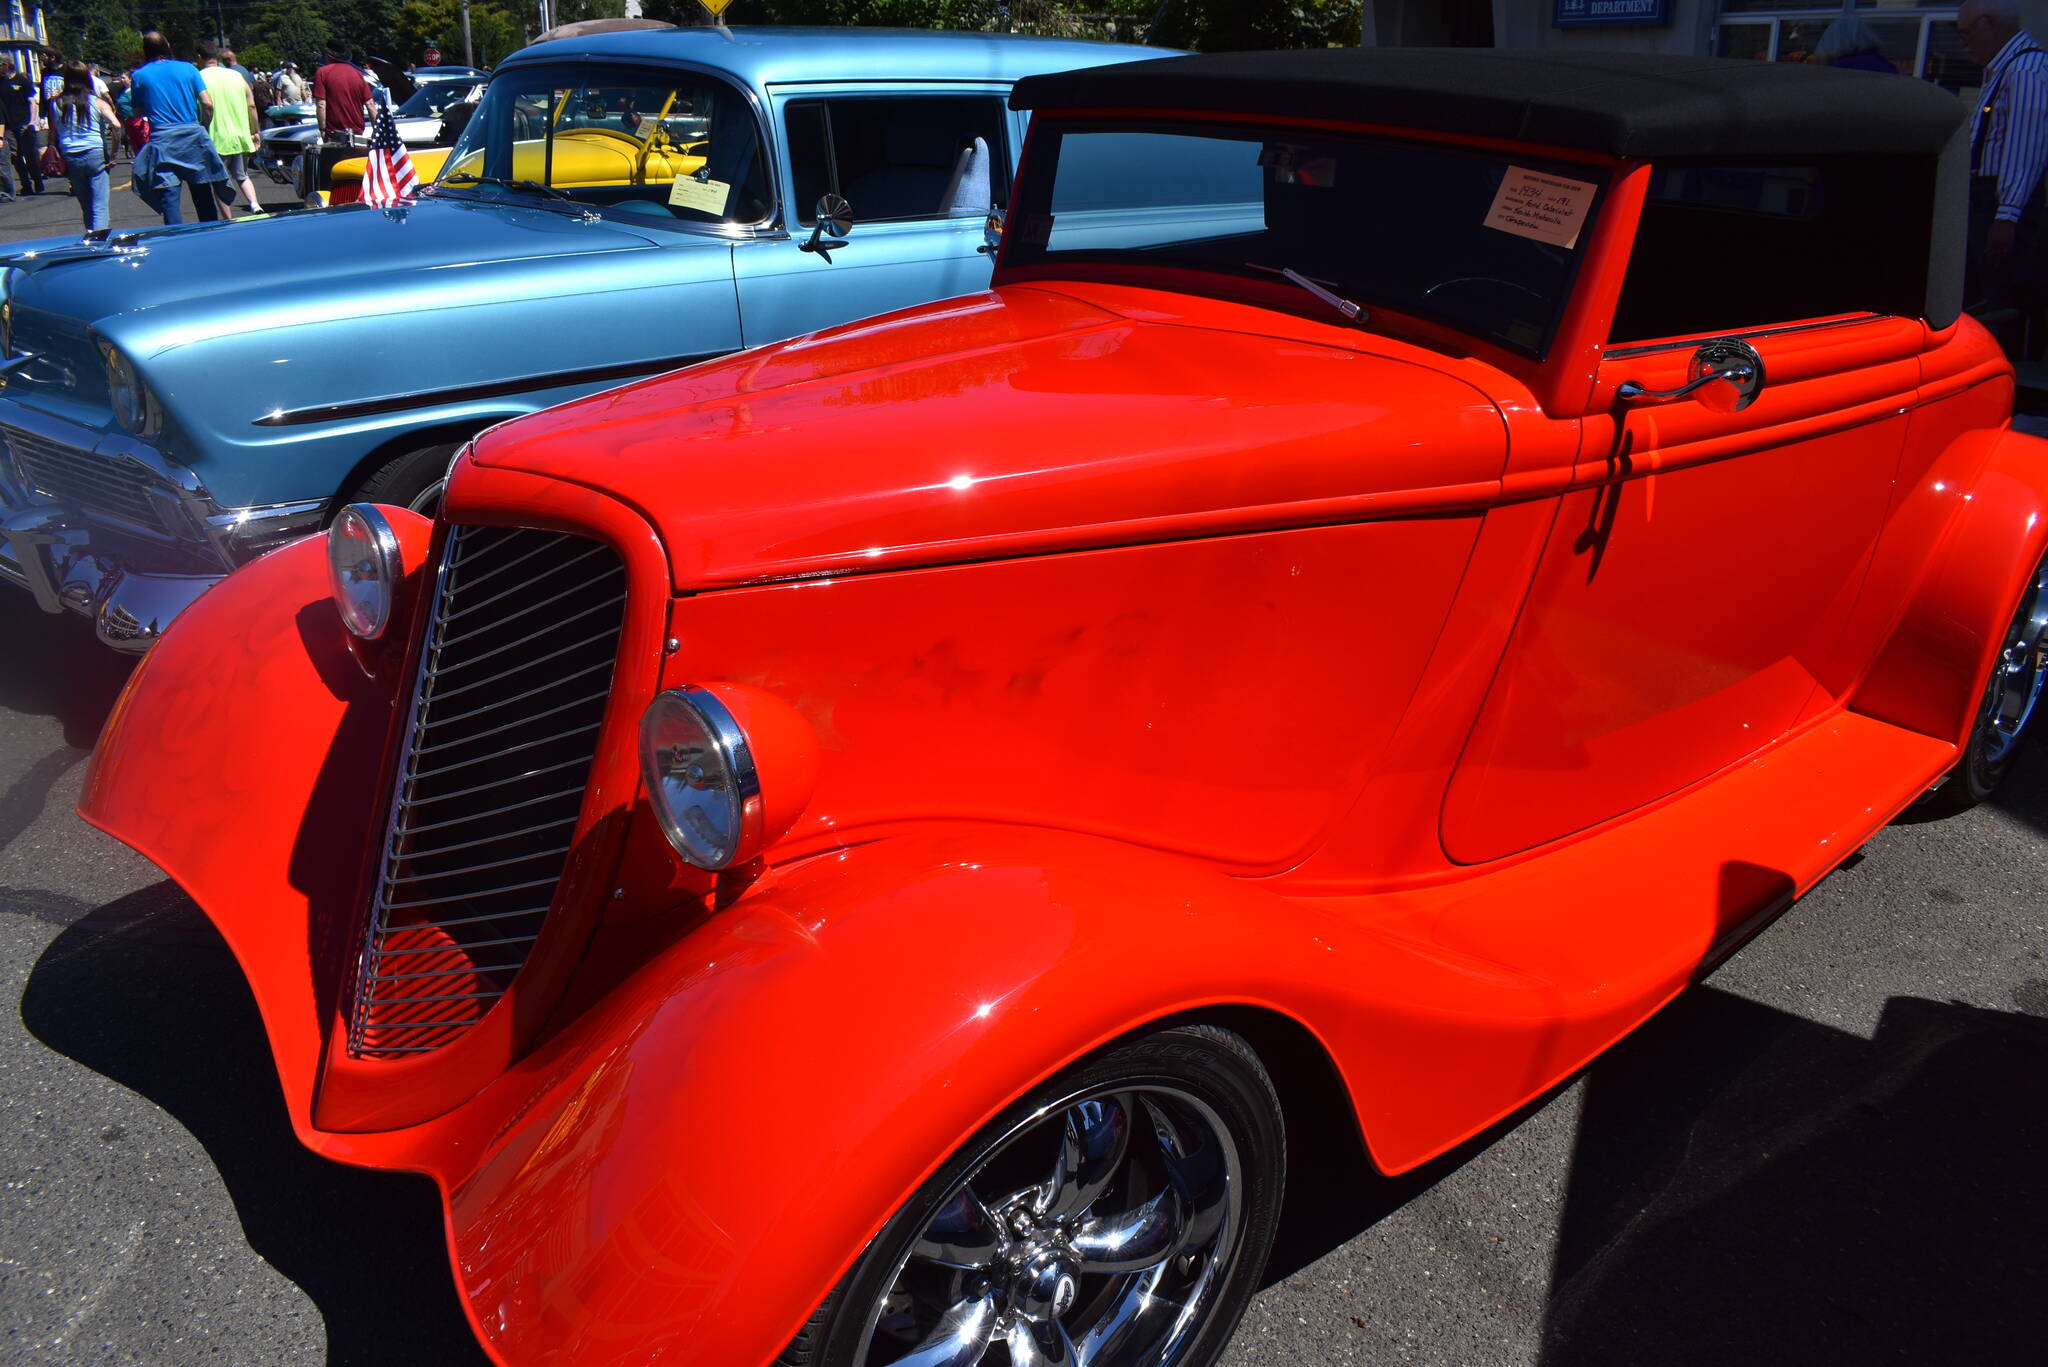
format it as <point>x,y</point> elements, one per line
<point>234,122</point>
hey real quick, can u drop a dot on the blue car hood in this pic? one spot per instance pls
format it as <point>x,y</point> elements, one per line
<point>313,259</point>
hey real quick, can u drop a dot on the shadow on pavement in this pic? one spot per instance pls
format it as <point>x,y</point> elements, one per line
<point>1750,1186</point>
<point>2024,794</point>
<point>54,666</point>
<point>145,992</point>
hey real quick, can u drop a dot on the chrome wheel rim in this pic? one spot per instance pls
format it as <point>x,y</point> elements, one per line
<point>2018,674</point>
<point>1095,1234</point>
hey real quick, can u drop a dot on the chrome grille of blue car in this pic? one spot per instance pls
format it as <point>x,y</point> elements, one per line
<point>84,479</point>
<point>522,637</point>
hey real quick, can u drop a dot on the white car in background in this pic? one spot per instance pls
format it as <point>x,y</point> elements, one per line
<point>419,117</point>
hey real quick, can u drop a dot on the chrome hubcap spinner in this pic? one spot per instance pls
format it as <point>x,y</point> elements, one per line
<point>1109,1260</point>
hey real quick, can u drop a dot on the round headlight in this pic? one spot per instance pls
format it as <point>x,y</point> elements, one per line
<point>701,777</point>
<point>134,407</point>
<point>364,564</point>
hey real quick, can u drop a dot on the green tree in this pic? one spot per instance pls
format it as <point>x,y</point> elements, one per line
<point>368,27</point>
<point>100,31</point>
<point>575,11</point>
<point>1228,26</point>
<point>183,26</point>
<point>493,31</point>
<point>292,29</point>
<point>1208,25</point>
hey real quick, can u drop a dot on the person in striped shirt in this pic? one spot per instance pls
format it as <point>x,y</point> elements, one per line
<point>2008,146</point>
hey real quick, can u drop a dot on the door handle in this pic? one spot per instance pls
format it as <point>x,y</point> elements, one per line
<point>1633,392</point>
<point>1727,372</point>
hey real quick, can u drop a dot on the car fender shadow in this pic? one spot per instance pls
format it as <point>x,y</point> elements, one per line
<point>143,991</point>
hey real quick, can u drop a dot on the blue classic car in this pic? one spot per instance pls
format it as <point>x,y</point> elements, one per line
<point>175,402</point>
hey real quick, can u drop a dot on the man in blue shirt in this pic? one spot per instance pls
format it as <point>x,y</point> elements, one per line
<point>173,97</point>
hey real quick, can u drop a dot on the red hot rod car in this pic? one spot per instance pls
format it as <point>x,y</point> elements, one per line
<point>867,852</point>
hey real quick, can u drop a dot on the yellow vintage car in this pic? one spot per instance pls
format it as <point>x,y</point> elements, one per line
<point>600,147</point>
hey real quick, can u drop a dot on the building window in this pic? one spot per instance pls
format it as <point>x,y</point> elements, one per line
<point>1919,40</point>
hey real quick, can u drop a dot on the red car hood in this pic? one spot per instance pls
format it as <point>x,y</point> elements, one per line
<point>1018,422</point>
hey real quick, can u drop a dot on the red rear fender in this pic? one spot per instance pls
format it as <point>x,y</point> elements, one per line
<point>1930,676</point>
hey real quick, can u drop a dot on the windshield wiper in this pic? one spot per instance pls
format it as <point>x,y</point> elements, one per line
<point>467,179</point>
<point>1334,300</point>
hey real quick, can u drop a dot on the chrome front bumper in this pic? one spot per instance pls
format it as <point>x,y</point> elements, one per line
<point>132,581</point>
<point>47,550</point>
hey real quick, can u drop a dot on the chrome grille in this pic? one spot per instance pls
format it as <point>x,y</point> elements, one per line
<point>521,642</point>
<point>85,479</point>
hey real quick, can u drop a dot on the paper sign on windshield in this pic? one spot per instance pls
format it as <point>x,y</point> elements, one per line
<point>705,196</point>
<point>1543,207</point>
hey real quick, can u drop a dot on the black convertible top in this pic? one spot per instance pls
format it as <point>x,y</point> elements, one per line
<point>1619,103</point>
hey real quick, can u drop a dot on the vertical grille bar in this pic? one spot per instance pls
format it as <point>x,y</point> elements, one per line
<point>515,672</point>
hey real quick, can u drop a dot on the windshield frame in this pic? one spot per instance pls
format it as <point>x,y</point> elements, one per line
<point>1036,179</point>
<point>771,225</point>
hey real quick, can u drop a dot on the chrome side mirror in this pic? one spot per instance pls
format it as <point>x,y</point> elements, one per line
<point>1727,377</point>
<point>833,215</point>
<point>991,233</point>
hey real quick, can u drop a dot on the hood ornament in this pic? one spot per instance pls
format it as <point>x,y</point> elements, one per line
<point>121,246</point>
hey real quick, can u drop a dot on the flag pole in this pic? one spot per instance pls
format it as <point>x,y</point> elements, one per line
<point>468,48</point>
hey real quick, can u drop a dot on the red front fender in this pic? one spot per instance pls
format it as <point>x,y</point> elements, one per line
<point>243,758</point>
<point>723,1135</point>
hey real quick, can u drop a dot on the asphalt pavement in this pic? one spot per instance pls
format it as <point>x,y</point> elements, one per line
<point>1830,1152</point>
<point>55,212</point>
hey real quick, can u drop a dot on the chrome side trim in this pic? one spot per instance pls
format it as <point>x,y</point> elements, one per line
<point>1652,348</point>
<point>497,389</point>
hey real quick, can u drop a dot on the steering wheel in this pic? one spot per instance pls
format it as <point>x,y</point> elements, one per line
<point>657,141</point>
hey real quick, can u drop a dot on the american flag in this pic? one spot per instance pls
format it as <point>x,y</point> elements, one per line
<point>389,181</point>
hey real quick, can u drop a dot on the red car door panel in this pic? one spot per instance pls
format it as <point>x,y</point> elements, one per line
<point>1691,594</point>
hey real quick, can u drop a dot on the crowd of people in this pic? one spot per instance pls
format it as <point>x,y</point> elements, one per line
<point>189,125</point>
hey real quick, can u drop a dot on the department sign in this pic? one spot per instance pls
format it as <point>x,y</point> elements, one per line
<point>1611,13</point>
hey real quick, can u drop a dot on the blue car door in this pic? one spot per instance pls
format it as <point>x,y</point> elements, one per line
<point>919,168</point>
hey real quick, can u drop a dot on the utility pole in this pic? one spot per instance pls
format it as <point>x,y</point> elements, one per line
<point>468,48</point>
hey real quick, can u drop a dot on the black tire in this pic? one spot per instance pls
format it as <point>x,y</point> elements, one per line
<point>1190,1082</point>
<point>2012,699</point>
<point>403,480</point>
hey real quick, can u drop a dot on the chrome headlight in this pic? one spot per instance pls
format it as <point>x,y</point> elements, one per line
<point>135,408</point>
<point>364,564</point>
<point>701,777</point>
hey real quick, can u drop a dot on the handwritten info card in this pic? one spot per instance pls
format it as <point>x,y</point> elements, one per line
<point>705,196</point>
<point>1543,207</point>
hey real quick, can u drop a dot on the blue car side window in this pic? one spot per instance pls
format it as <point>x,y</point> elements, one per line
<point>899,158</point>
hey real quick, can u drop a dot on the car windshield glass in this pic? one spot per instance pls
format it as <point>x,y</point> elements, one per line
<point>430,100</point>
<point>1485,242</point>
<point>632,142</point>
